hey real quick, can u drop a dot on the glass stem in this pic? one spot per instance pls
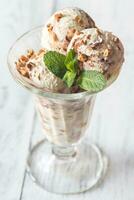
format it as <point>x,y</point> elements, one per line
<point>64,152</point>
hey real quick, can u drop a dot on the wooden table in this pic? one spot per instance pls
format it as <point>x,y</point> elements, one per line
<point>112,125</point>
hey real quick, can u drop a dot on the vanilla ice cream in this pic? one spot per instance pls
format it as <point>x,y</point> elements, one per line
<point>61,27</point>
<point>33,67</point>
<point>98,50</point>
<point>44,77</point>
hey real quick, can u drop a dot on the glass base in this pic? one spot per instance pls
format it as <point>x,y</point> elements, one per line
<point>76,174</point>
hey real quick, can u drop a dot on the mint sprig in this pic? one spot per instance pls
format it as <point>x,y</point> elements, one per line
<point>55,62</point>
<point>66,68</point>
<point>69,78</point>
<point>71,65</point>
<point>62,66</point>
<point>71,61</point>
<point>92,81</point>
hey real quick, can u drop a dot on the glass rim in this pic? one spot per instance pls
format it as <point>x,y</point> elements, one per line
<point>30,85</point>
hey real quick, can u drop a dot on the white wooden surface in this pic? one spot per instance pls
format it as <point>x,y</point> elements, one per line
<point>112,125</point>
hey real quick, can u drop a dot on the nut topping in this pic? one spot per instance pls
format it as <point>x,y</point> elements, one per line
<point>82,57</point>
<point>24,64</point>
<point>23,59</point>
<point>79,20</point>
<point>22,69</point>
<point>30,65</point>
<point>105,53</point>
<point>58,16</point>
<point>49,27</point>
<point>30,53</point>
<point>24,72</point>
<point>70,33</point>
<point>41,52</point>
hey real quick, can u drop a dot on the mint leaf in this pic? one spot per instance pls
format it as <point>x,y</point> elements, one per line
<point>71,61</point>
<point>71,66</point>
<point>55,63</point>
<point>70,56</point>
<point>69,78</point>
<point>65,67</point>
<point>93,81</point>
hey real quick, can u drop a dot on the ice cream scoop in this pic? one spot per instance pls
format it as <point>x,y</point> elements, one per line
<point>61,27</point>
<point>98,50</point>
<point>33,67</point>
<point>45,78</point>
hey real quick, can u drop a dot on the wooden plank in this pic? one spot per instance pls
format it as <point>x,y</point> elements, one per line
<point>112,122</point>
<point>16,108</point>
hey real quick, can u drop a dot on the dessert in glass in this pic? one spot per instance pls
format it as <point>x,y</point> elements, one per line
<point>65,63</point>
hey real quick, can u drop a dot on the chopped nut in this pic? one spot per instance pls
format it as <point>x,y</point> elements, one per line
<point>84,41</point>
<point>19,64</point>
<point>41,51</point>
<point>49,27</point>
<point>82,57</point>
<point>70,33</point>
<point>30,65</point>
<point>23,59</point>
<point>58,16</point>
<point>76,45</point>
<point>24,64</point>
<point>30,52</point>
<point>79,20</point>
<point>105,53</point>
<point>24,72</point>
<point>33,56</point>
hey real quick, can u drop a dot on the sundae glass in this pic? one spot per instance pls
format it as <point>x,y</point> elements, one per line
<point>64,162</point>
